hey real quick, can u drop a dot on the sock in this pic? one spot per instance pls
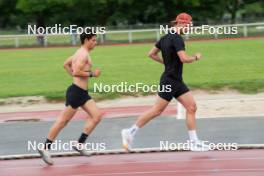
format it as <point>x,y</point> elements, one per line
<point>83,138</point>
<point>193,135</point>
<point>48,144</point>
<point>133,129</point>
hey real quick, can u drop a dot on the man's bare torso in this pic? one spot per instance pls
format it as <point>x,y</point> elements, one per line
<point>80,54</point>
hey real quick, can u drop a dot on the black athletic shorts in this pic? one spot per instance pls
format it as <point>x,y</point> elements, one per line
<point>177,88</point>
<point>76,96</point>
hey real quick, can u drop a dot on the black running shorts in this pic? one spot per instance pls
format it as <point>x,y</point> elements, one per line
<point>76,96</point>
<point>178,88</point>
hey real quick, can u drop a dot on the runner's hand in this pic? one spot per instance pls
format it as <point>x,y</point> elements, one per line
<point>198,56</point>
<point>97,72</point>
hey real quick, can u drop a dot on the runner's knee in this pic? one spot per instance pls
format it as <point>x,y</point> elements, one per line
<point>191,108</point>
<point>97,118</point>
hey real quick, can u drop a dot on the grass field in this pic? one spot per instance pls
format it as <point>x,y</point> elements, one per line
<point>236,64</point>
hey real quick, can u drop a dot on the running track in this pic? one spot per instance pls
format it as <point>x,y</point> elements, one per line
<point>217,163</point>
<point>51,115</point>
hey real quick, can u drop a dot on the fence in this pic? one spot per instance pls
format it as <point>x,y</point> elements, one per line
<point>123,36</point>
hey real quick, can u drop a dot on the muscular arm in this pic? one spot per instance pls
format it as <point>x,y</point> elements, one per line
<point>68,66</point>
<point>153,54</point>
<point>188,59</point>
<point>77,67</point>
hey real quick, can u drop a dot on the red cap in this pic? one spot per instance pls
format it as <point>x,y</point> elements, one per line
<point>183,18</point>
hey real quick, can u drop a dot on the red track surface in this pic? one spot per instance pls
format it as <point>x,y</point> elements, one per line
<point>108,113</point>
<point>217,163</point>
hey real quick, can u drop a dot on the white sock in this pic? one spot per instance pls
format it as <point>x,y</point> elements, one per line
<point>133,129</point>
<point>193,135</point>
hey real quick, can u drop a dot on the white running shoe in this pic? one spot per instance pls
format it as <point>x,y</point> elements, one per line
<point>79,147</point>
<point>127,139</point>
<point>199,146</point>
<point>45,156</point>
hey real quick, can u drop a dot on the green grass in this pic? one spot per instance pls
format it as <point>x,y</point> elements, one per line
<point>233,64</point>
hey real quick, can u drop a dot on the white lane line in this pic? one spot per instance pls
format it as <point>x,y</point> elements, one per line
<point>175,171</point>
<point>137,162</point>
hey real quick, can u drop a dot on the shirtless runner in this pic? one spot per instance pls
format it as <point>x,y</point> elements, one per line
<point>79,67</point>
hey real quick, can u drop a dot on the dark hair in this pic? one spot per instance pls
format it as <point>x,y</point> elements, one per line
<point>86,35</point>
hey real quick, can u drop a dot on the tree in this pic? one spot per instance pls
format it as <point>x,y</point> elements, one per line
<point>232,7</point>
<point>42,9</point>
<point>7,10</point>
